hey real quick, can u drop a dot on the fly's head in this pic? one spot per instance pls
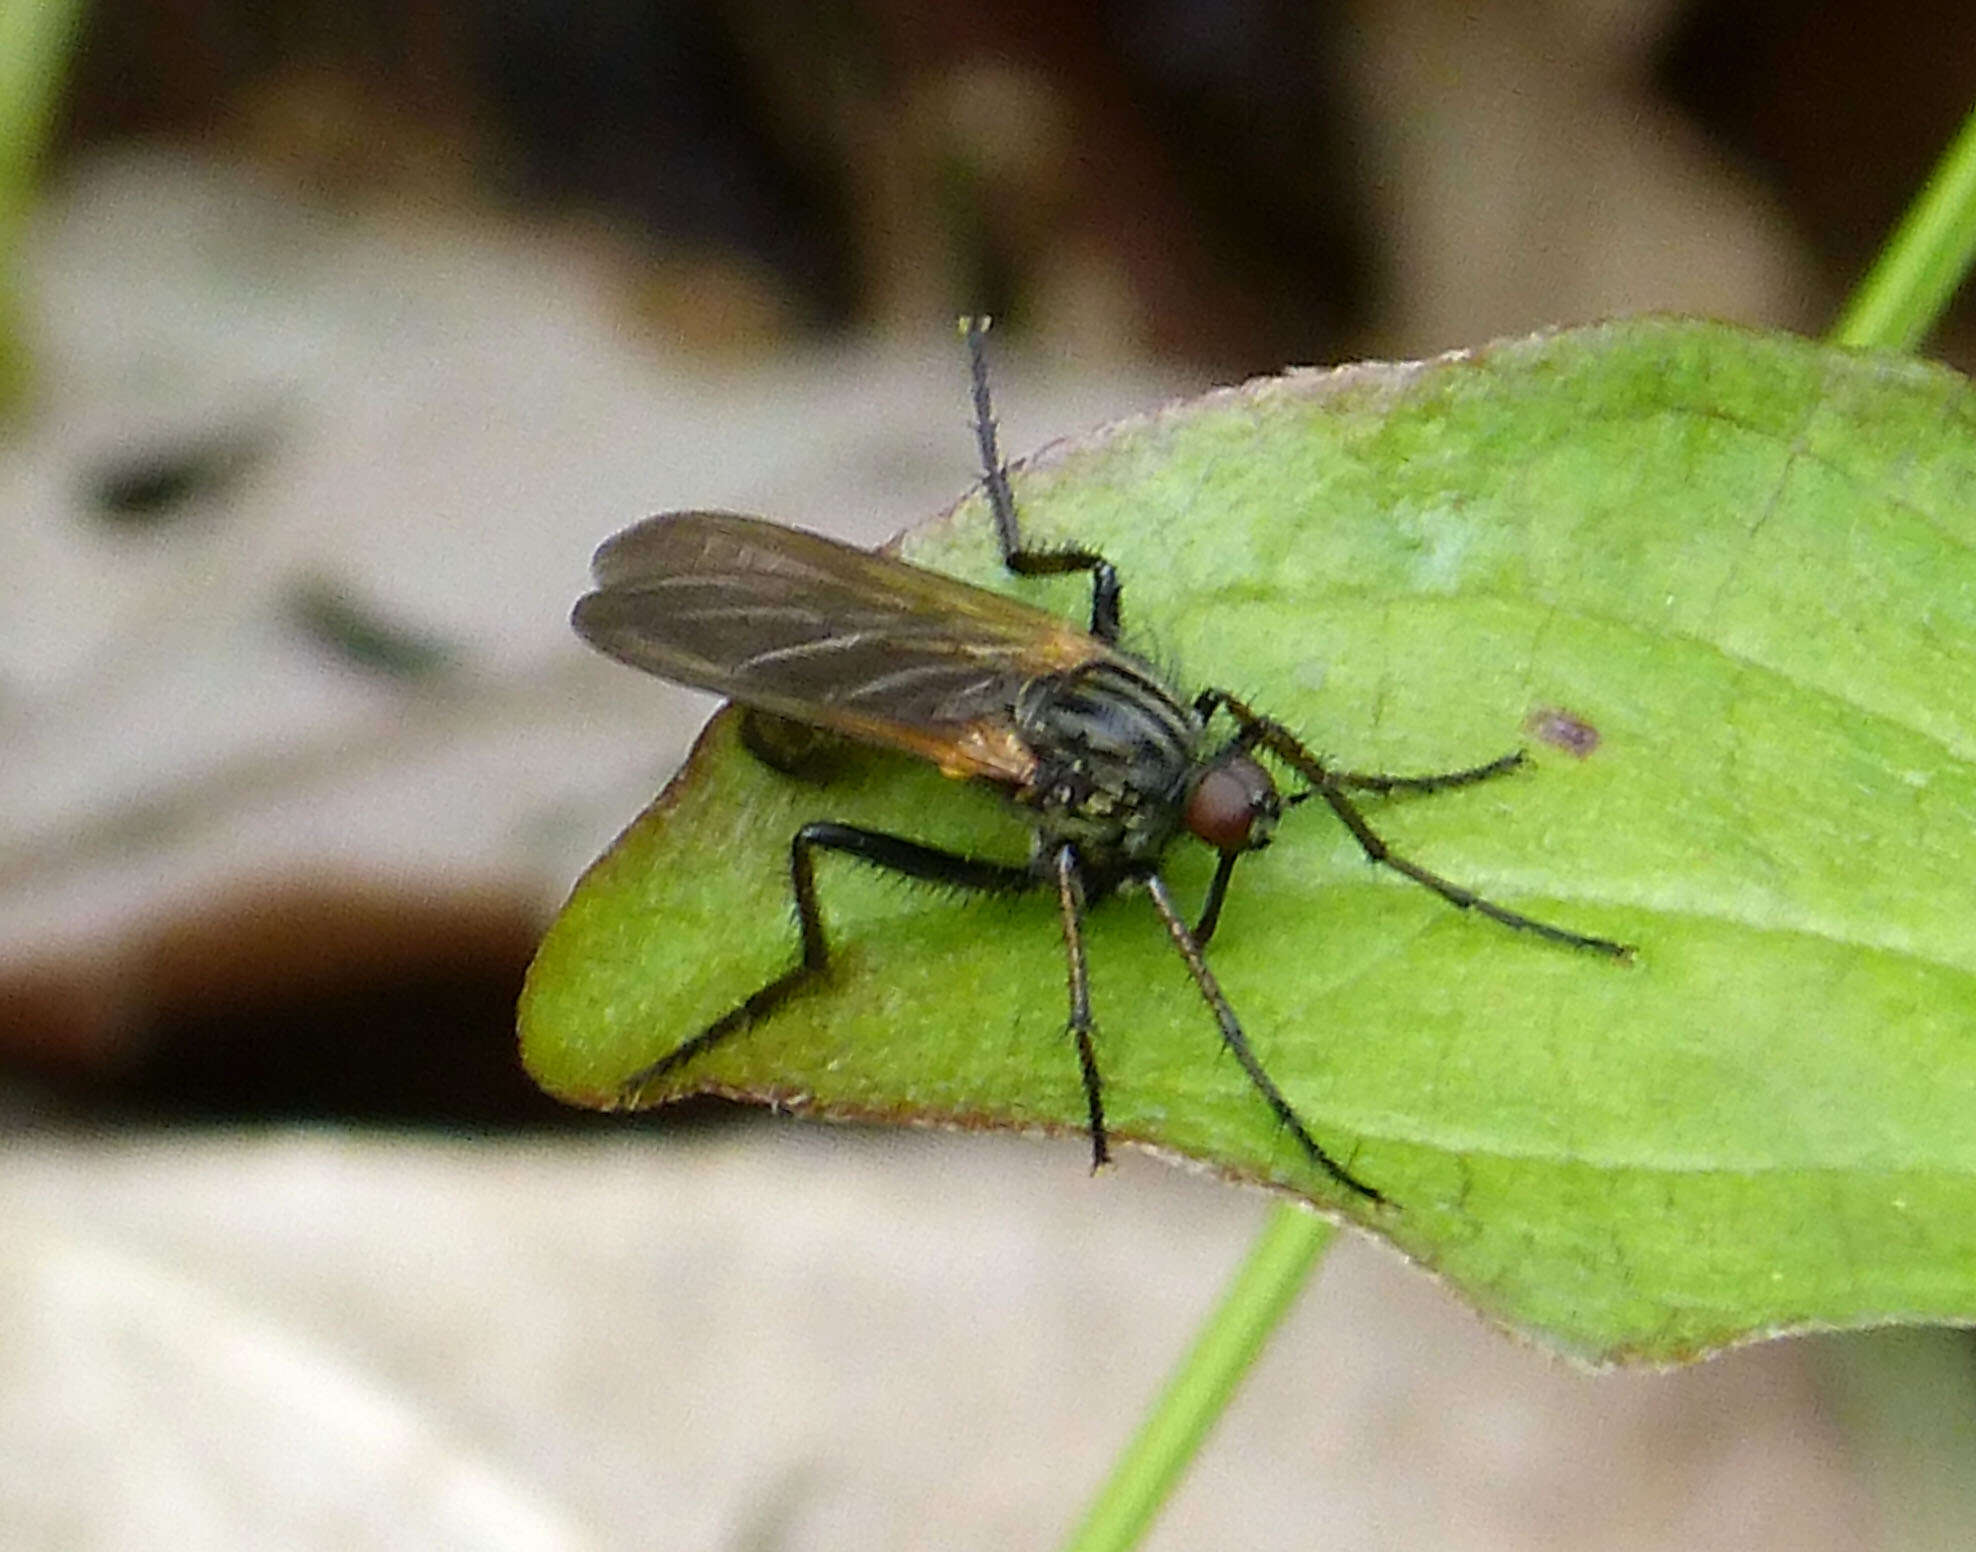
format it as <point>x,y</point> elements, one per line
<point>1233,804</point>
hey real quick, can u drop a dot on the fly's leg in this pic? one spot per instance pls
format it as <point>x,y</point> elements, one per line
<point>1441,781</point>
<point>995,474</point>
<point>1259,732</point>
<point>1070,899</point>
<point>1224,870</point>
<point>890,852</point>
<point>1254,733</point>
<point>1238,1043</point>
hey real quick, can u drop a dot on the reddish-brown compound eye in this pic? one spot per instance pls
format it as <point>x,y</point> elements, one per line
<point>1234,806</point>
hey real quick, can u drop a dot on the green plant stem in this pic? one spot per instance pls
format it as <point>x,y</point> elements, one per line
<point>1918,271</point>
<point>1263,1290</point>
<point>36,38</point>
<point>1904,1399</point>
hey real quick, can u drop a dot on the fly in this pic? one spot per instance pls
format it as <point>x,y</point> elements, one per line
<point>1103,760</point>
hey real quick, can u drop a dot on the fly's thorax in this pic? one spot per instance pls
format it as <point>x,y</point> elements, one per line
<point>1115,754</point>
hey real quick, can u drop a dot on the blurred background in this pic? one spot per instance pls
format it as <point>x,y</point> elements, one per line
<point>334,336</point>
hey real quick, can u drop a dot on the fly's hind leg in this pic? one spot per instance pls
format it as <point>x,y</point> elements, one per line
<point>995,474</point>
<point>889,852</point>
<point>1255,731</point>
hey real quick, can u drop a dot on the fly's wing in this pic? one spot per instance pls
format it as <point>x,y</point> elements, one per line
<point>841,638</point>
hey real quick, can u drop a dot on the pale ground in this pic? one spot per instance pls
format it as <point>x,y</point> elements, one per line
<point>791,1338</point>
<point>783,1337</point>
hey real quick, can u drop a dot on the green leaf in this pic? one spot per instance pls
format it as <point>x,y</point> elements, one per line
<point>1722,585</point>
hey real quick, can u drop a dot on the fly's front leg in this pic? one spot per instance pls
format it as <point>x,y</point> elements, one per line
<point>890,852</point>
<point>1255,731</point>
<point>1441,781</point>
<point>995,474</point>
<point>1238,1043</point>
<point>1224,870</point>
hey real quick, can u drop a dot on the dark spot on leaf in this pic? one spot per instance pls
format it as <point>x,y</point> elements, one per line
<point>1562,730</point>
